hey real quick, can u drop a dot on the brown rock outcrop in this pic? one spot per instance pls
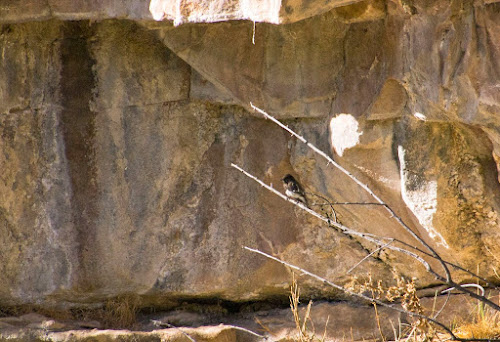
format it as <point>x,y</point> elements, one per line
<point>116,139</point>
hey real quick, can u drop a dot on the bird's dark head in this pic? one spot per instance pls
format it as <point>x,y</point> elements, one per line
<point>288,178</point>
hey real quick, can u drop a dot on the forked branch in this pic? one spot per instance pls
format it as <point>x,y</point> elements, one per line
<point>366,298</point>
<point>431,252</point>
<point>379,241</point>
<point>362,185</point>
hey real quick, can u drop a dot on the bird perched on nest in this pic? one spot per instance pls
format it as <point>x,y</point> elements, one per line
<point>293,189</point>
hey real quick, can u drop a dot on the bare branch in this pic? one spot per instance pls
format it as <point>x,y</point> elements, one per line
<point>379,241</point>
<point>326,202</point>
<point>351,293</point>
<point>486,281</point>
<point>370,237</point>
<point>369,255</point>
<point>276,192</point>
<point>357,203</point>
<point>246,330</point>
<point>362,185</point>
<point>442,307</point>
<point>168,325</point>
<point>371,300</point>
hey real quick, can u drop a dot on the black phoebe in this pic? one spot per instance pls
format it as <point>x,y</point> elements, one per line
<point>293,189</point>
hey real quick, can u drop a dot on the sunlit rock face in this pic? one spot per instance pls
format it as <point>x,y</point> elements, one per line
<point>269,11</point>
<point>116,139</point>
<point>188,11</point>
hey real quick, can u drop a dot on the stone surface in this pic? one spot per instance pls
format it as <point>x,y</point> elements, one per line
<point>19,11</point>
<point>117,138</point>
<point>208,333</point>
<point>383,70</point>
<point>37,233</point>
<point>390,103</point>
<point>136,193</point>
<point>270,11</point>
<point>179,12</point>
<point>333,320</point>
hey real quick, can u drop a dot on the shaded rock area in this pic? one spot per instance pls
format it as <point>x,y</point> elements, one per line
<point>333,320</point>
<point>117,135</point>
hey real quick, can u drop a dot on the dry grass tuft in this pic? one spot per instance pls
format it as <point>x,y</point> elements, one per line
<point>116,313</point>
<point>304,333</point>
<point>483,329</point>
<point>405,292</point>
<point>120,312</point>
<point>486,325</point>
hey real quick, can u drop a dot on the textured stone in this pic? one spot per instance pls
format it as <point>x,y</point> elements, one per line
<point>270,11</point>
<point>116,140</point>
<point>279,68</point>
<point>203,90</point>
<point>36,232</point>
<point>19,11</point>
<point>390,103</point>
<point>387,72</point>
<point>361,11</point>
<point>33,318</point>
<point>208,333</point>
<point>334,320</point>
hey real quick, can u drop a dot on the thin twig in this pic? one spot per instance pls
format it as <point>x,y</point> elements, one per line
<point>168,325</point>
<point>276,192</point>
<point>327,202</point>
<point>371,300</point>
<point>246,330</point>
<point>459,287</point>
<point>378,322</point>
<point>442,307</point>
<point>449,263</point>
<point>472,294</point>
<point>266,329</point>
<point>326,326</point>
<point>357,203</point>
<point>362,185</point>
<point>306,318</point>
<point>351,293</point>
<point>379,241</point>
<point>394,330</point>
<point>477,286</point>
<point>369,255</point>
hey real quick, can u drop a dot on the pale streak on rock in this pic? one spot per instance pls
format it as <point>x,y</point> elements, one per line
<point>422,202</point>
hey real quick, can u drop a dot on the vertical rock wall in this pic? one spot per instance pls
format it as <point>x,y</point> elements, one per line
<point>116,139</point>
<point>37,231</point>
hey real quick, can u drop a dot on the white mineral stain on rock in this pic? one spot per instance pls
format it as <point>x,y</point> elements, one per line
<point>258,10</point>
<point>420,116</point>
<point>157,9</point>
<point>344,133</point>
<point>422,201</point>
<point>215,10</point>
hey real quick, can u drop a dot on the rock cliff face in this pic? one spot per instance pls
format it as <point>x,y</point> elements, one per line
<point>117,134</point>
